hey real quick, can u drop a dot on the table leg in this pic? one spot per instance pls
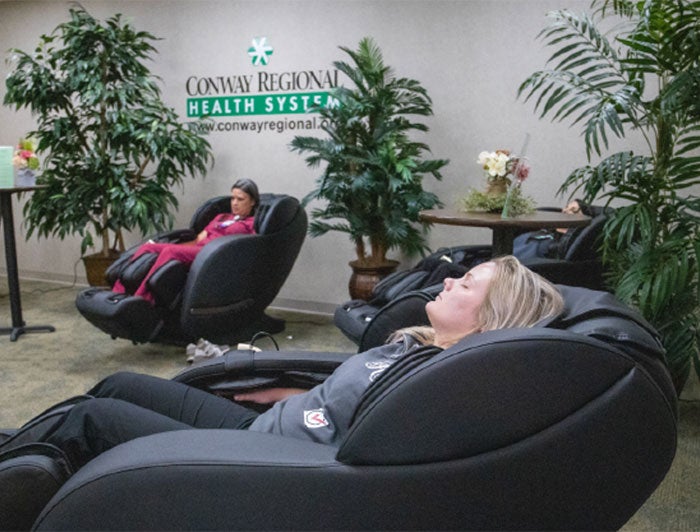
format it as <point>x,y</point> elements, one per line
<point>18,326</point>
<point>502,241</point>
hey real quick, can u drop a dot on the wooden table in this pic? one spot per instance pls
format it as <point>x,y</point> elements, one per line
<point>18,326</point>
<point>504,230</point>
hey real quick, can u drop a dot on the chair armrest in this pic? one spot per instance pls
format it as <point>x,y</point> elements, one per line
<point>185,480</point>
<point>175,236</point>
<point>234,369</point>
<point>232,257</point>
<point>167,283</point>
<point>220,311</point>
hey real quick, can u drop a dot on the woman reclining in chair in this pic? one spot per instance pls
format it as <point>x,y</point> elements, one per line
<point>549,243</point>
<point>244,200</point>
<point>497,294</point>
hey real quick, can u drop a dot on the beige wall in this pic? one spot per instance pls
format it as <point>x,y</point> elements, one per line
<point>471,55</point>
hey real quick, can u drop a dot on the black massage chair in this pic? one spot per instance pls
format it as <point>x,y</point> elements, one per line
<point>223,295</point>
<point>569,425</point>
<point>575,260</point>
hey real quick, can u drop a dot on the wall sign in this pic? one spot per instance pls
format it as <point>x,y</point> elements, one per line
<point>261,93</point>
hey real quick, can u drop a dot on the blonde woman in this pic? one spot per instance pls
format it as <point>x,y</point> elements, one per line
<point>494,295</point>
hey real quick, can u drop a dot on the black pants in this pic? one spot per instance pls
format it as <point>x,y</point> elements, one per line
<point>128,405</point>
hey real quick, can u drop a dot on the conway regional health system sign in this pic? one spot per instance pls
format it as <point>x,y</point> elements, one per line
<point>260,93</point>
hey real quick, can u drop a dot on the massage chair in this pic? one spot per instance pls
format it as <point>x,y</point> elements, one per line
<point>568,425</point>
<point>223,295</point>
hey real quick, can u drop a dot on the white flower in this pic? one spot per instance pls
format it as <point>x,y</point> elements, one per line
<point>19,162</point>
<point>497,165</point>
<point>485,156</point>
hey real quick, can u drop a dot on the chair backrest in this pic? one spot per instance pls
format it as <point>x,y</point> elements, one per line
<point>583,243</point>
<point>208,210</point>
<point>275,212</point>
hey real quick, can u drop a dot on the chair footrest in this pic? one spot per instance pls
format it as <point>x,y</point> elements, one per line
<point>119,315</point>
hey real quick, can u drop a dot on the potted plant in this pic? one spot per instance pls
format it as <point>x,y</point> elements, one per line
<point>643,80</point>
<point>112,150</point>
<point>372,180</point>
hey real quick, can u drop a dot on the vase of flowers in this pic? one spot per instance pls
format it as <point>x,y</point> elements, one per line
<point>26,162</point>
<point>505,173</point>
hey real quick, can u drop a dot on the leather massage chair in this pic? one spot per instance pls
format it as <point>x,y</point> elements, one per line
<point>221,297</point>
<point>568,425</point>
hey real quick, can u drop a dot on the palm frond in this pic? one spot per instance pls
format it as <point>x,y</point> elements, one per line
<point>587,85</point>
<point>624,8</point>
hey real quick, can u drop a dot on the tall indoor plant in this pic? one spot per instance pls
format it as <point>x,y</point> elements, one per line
<point>372,180</point>
<point>642,80</point>
<point>112,150</point>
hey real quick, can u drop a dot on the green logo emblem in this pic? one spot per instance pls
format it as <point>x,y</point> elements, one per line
<point>260,52</point>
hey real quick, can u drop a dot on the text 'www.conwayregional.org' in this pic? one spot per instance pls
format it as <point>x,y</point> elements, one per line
<point>261,126</point>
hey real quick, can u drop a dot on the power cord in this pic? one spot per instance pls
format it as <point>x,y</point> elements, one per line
<point>48,290</point>
<point>256,337</point>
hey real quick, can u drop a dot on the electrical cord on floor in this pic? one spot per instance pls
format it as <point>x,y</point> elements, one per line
<point>47,290</point>
<point>263,334</point>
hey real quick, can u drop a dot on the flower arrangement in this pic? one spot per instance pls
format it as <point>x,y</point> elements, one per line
<point>505,174</point>
<point>25,155</point>
<point>500,163</point>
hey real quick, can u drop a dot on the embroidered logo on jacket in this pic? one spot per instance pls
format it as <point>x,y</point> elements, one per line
<point>315,419</point>
<point>378,368</point>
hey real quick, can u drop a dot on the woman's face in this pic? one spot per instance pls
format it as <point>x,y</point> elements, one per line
<point>454,313</point>
<point>241,203</point>
<point>572,208</point>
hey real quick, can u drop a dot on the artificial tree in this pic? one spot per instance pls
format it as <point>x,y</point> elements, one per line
<point>112,150</point>
<point>642,79</point>
<point>372,180</point>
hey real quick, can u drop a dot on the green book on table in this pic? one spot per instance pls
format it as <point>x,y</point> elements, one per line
<point>7,179</point>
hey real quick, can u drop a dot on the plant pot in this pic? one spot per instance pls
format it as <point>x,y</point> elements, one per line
<point>25,178</point>
<point>96,265</point>
<point>365,277</point>
<point>497,187</point>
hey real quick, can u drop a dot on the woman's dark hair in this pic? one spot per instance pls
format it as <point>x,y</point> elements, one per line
<point>249,187</point>
<point>585,208</point>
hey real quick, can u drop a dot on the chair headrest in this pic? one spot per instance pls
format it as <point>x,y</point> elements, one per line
<point>599,314</point>
<point>274,213</point>
<point>208,210</point>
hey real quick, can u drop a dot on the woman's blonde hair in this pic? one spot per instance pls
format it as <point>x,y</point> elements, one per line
<point>516,297</point>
